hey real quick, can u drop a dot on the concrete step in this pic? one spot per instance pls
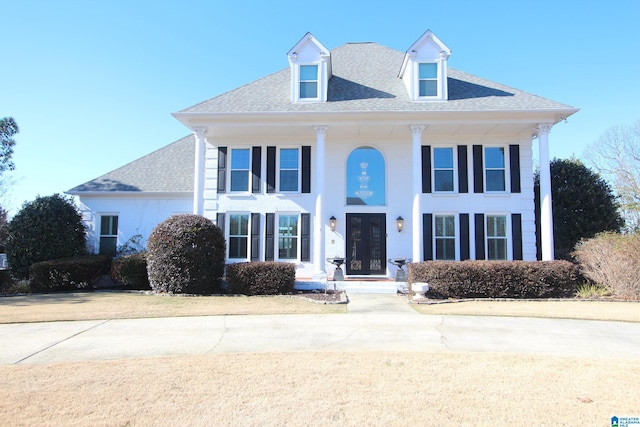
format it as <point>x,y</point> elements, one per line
<point>356,286</point>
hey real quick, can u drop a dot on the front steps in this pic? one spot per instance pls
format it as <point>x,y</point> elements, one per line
<point>356,286</point>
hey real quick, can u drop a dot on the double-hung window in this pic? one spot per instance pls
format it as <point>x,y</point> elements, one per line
<point>238,236</point>
<point>443,169</point>
<point>494,169</point>
<point>289,169</point>
<point>240,168</point>
<point>288,237</point>
<point>496,237</point>
<point>427,79</point>
<point>445,237</point>
<point>308,82</point>
<point>108,234</point>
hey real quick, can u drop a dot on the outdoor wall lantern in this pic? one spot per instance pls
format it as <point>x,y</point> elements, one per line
<point>400,223</point>
<point>332,223</point>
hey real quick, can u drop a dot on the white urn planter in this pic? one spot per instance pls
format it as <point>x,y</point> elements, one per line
<point>419,289</point>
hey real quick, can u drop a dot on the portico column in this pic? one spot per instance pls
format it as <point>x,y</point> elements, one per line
<point>416,217</point>
<point>546,210</point>
<point>198,178</point>
<point>319,221</point>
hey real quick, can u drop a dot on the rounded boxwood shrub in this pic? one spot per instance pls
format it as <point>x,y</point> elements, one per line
<point>68,274</point>
<point>261,278</point>
<point>131,271</point>
<point>45,229</point>
<point>186,254</point>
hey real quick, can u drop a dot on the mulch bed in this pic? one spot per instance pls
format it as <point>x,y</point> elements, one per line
<point>322,296</point>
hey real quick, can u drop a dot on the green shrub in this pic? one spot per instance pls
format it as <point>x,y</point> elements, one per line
<point>612,261</point>
<point>47,228</point>
<point>131,271</point>
<point>261,278</point>
<point>186,255</point>
<point>68,273</point>
<point>497,279</point>
<point>6,282</point>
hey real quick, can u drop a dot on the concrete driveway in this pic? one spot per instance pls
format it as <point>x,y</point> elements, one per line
<point>380,323</point>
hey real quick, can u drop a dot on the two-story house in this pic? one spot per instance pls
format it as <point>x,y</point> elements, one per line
<point>361,152</point>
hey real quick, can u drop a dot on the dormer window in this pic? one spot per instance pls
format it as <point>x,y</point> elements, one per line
<point>308,81</point>
<point>424,69</point>
<point>310,65</point>
<point>428,79</point>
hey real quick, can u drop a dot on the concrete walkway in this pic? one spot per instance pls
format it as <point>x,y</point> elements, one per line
<point>374,323</point>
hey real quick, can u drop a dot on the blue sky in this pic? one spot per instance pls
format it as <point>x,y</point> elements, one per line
<point>92,84</point>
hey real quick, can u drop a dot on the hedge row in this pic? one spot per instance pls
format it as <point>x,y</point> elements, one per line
<point>261,278</point>
<point>497,279</point>
<point>68,273</point>
<point>131,271</point>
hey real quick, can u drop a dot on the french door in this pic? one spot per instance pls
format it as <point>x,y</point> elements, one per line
<point>366,244</point>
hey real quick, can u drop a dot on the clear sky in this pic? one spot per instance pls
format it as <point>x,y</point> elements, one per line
<point>92,84</point>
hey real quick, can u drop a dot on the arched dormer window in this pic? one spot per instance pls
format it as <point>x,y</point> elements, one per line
<point>310,64</point>
<point>366,177</point>
<point>424,69</point>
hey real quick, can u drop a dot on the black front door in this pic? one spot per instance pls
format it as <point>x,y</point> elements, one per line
<point>366,244</point>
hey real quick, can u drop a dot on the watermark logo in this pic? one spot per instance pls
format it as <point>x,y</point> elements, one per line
<point>625,421</point>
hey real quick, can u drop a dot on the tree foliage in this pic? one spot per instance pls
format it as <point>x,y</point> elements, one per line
<point>583,206</point>
<point>616,156</point>
<point>8,128</point>
<point>45,229</point>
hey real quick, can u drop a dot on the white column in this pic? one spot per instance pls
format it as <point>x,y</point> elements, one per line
<point>546,210</point>
<point>416,217</point>
<point>319,220</point>
<point>198,177</point>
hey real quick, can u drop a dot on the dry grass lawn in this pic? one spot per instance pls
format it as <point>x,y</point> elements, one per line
<point>565,309</point>
<point>341,389</point>
<point>120,305</point>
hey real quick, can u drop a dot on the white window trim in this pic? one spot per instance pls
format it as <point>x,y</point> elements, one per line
<point>438,80</point>
<point>299,81</point>
<point>277,237</point>
<point>278,170</point>
<point>507,238</point>
<point>507,172</point>
<point>228,235</point>
<point>455,170</point>
<point>230,170</point>
<point>456,230</point>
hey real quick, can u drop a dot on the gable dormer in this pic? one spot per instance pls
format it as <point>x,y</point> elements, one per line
<point>424,69</point>
<point>310,64</point>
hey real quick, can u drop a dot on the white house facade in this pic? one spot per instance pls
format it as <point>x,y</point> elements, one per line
<point>361,152</point>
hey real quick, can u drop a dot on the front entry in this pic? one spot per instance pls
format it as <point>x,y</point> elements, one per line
<point>366,244</point>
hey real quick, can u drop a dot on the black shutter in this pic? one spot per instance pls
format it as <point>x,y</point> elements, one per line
<point>426,169</point>
<point>255,237</point>
<point>305,237</point>
<point>463,172</point>
<point>306,169</point>
<point>514,165</point>
<point>516,233</point>
<point>479,226</point>
<point>464,237</point>
<point>271,169</point>
<point>256,165</point>
<point>269,242</point>
<point>427,236</point>
<point>478,172</point>
<point>222,169</point>
<point>220,222</point>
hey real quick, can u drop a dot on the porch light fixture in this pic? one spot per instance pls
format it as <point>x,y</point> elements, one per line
<point>400,223</point>
<point>332,223</point>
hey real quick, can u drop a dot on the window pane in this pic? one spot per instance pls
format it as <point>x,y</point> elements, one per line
<point>496,226</point>
<point>108,246</point>
<point>289,180</point>
<point>237,247</point>
<point>445,249</point>
<point>495,180</point>
<point>428,88</point>
<point>289,158</point>
<point>428,71</point>
<point>240,159</point>
<point>308,72</point>
<point>239,225</point>
<point>109,225</point>
<point>308,90</point>
<point>497,249</point>
<point>288,237</point>
<point>450,226</point>
<point>239,180</point>
<point>444,180</point>
<point>443,158</point>
<point>494,157</point>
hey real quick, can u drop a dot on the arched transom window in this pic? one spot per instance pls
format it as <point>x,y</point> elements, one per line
<point>366,177</point>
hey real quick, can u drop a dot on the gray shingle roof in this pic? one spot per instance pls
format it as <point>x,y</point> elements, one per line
<point>365,78</point>
<point>167,170</point>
